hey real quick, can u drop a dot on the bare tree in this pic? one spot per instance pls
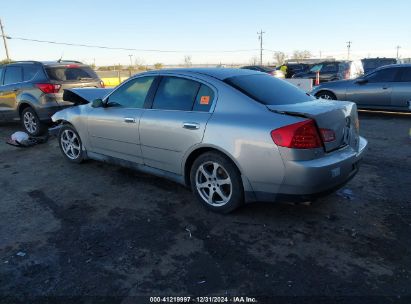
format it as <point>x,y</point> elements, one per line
<point>301,55</point>
<point>279,58</point>
<point>254,60</point>
<point>187,61</point>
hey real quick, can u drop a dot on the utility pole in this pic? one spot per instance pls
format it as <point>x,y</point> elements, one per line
<point>131,62</point>
<point>398,52</point>
<point>348,49</point>
<point>260,37</point>
<point>5,41</point>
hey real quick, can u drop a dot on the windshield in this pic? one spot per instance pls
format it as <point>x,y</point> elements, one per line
<point>268,90</point>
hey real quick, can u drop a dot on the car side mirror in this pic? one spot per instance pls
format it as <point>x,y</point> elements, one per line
<point>361,81</point>
<point>97,103</point>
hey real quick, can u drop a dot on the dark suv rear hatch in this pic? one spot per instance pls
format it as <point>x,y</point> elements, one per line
<point>70,76</point>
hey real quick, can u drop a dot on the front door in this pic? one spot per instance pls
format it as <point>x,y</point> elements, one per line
<point>175,122</point>
<point>375,90</point>
<point>13,76</point>
<point>113,129</point>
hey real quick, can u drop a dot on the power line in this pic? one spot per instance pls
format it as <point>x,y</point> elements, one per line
<point>125,49</point>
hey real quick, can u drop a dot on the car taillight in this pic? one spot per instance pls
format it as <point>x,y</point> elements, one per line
<point>102,84</point>
<point>327,135</point>
<point>48,88</point>
<point>301,135</point>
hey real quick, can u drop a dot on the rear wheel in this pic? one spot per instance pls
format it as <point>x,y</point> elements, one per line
<point>326,95</point>
<point>31,122</point>
<point>216,182</point>
<point>70,144</point>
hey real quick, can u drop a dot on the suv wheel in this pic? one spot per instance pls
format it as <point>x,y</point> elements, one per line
<point>216,182</point>
<point>70,144</point>
<point>31,122</point>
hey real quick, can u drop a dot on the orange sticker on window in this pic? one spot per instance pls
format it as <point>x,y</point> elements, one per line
<point>205,100</point>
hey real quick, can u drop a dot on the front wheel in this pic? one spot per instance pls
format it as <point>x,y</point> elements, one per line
<point>70,144</point>
<point>326,95</point>
<point>216,182</point>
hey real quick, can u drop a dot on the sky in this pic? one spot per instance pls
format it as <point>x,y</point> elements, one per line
<point>208,31</point>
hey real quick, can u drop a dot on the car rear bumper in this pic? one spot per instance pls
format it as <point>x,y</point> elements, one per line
<point>306,180</point>
<point>45,113</point>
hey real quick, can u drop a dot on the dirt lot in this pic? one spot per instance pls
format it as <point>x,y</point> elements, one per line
<point>101,230</point>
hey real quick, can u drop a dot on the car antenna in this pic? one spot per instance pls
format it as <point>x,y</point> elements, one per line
<point>61,57</point>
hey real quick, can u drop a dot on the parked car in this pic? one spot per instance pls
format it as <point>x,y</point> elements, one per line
<point>370,64</point>
<point>264,69</point>
<point>388,87</point>
<point>333,70</point>
<point>294,68</point>
<point>232,135</point>
<point>32,91</point>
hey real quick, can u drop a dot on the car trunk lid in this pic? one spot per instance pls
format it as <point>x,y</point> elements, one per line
<point>338,116</point>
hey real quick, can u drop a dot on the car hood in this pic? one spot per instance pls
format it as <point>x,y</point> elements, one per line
<point>84,96</point>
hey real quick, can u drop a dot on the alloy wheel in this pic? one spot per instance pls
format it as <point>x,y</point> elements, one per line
<point>30,122</point>
<point>70,144</point>
<point>213,183</point>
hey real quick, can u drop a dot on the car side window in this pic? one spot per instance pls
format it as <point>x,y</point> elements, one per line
<point>204,99</point>
<point>14,74</point>
<point>329,68</point>
<point>176,93</point>
<point>132,94</point>
<point>29,71</point>
<point>385,75</point>
<point>405,75</point>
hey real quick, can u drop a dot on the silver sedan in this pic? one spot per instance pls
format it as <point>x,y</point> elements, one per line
<point>386,88</point>
<point>232,135</point>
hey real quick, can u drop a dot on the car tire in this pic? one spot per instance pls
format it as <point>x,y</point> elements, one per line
<point>71,145</point>
<point>31,122</point>
<point>326,95</point>
<point>216,182</point>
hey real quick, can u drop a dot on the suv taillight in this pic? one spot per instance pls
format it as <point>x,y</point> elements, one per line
<point>48,88</point>
<point>301,135</point>
<point>347,74</point>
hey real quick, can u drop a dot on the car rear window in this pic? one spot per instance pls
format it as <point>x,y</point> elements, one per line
<point>268,90</point>
<point>71,73</point>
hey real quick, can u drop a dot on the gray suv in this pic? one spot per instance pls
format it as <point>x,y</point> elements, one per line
<point>32,91</point>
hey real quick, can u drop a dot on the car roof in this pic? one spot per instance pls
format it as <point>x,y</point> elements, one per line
<point>396,65</point>
<point>218,73</point>
<point>48,63</point>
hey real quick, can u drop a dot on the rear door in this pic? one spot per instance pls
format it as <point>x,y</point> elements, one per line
<point>377,89</point>
<point>401,93</point>
<point>113,129</point>
<point>176,121</point>
<point>12,79</point>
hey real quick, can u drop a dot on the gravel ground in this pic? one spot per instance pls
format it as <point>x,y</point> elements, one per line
<point>96,230</point>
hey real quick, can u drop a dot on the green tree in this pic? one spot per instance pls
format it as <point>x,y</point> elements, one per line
<point>158,66</point>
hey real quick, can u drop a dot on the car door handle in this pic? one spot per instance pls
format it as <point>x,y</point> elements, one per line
<point>385,88</point>
<point>129,120</point>
<point>191,125</point>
